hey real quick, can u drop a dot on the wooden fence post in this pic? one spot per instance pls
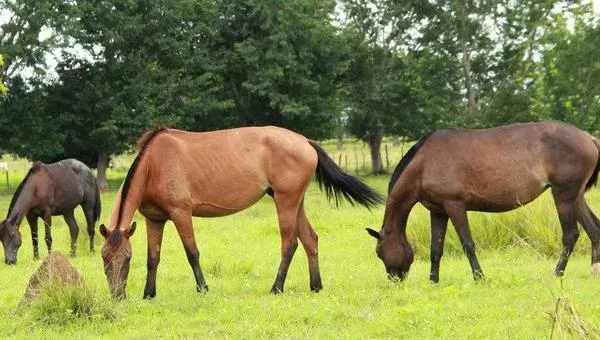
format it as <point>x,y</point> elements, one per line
<point>387,158</point>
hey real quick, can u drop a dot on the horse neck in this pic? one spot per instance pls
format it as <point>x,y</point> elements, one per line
<point>133,199</point>
<point>25,201</point>
<point>396,214</point>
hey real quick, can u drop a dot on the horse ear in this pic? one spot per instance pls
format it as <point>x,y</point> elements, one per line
<point>132,228</point>
<point>373,233</point>
<point>104,231</point>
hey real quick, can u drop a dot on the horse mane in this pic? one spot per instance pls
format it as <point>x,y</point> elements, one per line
<point>115,238</point>
<point>410,154</point>
<point>34,169</point>
<point>142,145</point>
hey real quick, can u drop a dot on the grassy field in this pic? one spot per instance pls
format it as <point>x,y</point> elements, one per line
<point>240,254</point>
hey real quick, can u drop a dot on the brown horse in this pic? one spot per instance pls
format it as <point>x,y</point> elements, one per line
<point>51,189</point>
<point>179,174</point>
<point>493,170</point>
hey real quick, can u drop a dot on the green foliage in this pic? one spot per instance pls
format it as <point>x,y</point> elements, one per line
<point>26,34</point>
<point>279,62</point>
<point>565,86</point>
<point>187,64</point>
<point>3,89</point>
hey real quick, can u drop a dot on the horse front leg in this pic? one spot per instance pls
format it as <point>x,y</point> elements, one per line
<point>185,228</point>
<point>73,230</point>
<point>439,224</point>
<point>33,224</point>
<point>458,216</point>
<point>154,230</point>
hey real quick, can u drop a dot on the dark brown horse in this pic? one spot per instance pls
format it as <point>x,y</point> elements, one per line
<point>493,170</point>
<point>47,190</point>
<point>179,174</point>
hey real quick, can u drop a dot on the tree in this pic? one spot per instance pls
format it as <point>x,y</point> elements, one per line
<point>373,82</point>
<point>486,49</point>
<point>566,88</point>
<point>278,63</point>
<point>3,88</point>
<point>27,35</point>
<point>182,63</point>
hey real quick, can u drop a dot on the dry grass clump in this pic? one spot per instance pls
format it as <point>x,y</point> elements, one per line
<point>56,294</point>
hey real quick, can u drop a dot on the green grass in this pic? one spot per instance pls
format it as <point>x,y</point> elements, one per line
<point>240,255</point>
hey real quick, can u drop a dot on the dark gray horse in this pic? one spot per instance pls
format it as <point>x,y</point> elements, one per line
<point>51,189</point>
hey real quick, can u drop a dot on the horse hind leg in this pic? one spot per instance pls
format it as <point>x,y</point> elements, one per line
<point>47,218</point>
<point>591,225</point>
<point>73,230</point>
<point>567,215</point>
<point>88,211</point>
<point>287,213</point>
<point>309,239</point>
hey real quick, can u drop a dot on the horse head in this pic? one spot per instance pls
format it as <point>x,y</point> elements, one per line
<point>11,239</point>
<point>395,252</point>
<point>116,254</point>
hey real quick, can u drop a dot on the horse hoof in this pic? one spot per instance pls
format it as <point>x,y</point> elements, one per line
<point>276,291</point>
<point>316,289</point>
<point>596,269</point>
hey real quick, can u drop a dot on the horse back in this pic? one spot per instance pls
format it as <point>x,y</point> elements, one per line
<point>71,182</point>
<point>501,168</point>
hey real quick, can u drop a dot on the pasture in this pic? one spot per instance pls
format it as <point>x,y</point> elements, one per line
<point>239,255</point>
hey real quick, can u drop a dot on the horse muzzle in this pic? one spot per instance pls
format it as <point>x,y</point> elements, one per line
<point>396,275</point>
<point>118,295</point>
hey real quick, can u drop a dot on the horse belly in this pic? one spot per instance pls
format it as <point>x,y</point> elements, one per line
<point>216,208</point>
<point>506,198</point>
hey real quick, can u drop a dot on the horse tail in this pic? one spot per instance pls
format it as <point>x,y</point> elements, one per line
<point>594,178</point>
<point>337,183</point>
<point>97,204</point>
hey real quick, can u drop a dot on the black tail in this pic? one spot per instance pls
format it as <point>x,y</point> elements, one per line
<point>337,183</point>
<point>97,204</point>
<point>594,179</point>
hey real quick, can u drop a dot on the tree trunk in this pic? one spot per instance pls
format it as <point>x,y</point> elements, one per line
<point>471,105</point>
<point>340,140</point>
<point>374,142</point>
<point>395,141</point>
<point>101,167</point>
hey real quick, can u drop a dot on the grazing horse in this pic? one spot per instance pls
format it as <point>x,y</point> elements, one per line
<point>47,190</point>
<point>452,171</point>
<point>179,174</point>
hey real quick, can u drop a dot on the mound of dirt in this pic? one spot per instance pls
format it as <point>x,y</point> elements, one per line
<point>55,270</point>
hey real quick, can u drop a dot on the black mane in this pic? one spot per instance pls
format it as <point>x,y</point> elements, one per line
<point>34,168</point>
<point>410,154</point>
<point>142,145</point>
